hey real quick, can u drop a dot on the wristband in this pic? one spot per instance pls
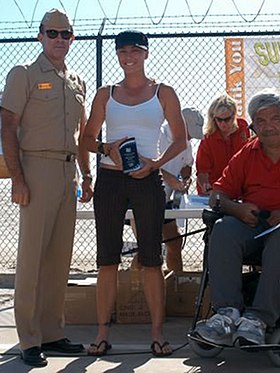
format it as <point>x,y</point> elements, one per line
<point>100,148</point>
<point>87,177</point>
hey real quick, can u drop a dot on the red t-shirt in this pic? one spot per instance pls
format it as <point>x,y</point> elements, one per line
<point>252,177</point>
<point>214,152</point>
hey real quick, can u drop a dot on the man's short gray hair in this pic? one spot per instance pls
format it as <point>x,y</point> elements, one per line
<point>263,100</point>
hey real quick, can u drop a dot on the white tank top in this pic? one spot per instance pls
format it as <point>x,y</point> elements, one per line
<point>142,121</point>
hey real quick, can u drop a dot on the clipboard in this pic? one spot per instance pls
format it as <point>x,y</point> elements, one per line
<point>267,231</point>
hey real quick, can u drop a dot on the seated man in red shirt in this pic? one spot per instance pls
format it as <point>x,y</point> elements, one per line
<point>252,177</point>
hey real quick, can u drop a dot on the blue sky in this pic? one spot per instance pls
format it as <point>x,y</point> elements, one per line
<point>85,9</point>
<point>91,8</point>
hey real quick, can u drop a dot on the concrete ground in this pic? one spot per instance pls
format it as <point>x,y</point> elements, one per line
<point>131,348</point>
<point>130,352</point>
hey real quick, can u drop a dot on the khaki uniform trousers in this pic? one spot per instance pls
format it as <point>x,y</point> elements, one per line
<point>45,247</point>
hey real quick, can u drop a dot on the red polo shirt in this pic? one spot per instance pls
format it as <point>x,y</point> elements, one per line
<point>214,152</point>
<point>252,177</point>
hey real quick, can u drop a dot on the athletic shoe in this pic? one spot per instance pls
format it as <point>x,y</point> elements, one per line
<point>250,331</point>
<point>219,328</point>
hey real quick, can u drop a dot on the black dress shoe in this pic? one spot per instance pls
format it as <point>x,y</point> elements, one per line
<point>34,356</point>
<point>64,346</point>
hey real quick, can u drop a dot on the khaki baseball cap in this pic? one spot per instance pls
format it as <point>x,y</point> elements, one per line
<point>56,19</point>
<point>194,121</point>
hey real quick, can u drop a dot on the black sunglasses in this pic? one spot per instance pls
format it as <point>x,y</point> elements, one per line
<point>226,119</point>
<point>65,34</point>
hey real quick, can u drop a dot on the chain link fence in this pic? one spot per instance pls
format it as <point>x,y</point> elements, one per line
<point>194,65</point>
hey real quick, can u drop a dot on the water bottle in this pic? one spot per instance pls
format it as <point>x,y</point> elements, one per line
<point>79,194</point>
<point>177,195</point>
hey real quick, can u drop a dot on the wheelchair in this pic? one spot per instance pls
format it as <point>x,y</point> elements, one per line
<point>250,280</point>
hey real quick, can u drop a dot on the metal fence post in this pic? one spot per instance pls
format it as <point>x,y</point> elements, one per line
<point>99,41</point>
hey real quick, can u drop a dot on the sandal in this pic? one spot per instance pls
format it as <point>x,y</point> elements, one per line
<point>160,353</point>
<point>107,346</point>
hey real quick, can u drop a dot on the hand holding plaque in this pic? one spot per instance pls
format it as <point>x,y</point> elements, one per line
<point>129,154</point>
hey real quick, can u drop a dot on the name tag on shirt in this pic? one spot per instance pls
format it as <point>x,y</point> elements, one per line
<point>45,86</point>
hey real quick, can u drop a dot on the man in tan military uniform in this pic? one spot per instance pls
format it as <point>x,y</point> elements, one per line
<point>43,116</point>
<point>4,173</point>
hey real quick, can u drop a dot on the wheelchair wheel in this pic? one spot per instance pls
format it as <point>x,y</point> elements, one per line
<point>275,355</point>
<point>204,350</point>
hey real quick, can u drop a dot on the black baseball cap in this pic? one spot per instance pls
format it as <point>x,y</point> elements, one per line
<point>132,37</point>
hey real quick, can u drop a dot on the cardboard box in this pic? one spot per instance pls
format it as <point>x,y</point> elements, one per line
<point>80,302</point>
<point>131,306</point>
<point>181,295</point>
<point>4,173</point>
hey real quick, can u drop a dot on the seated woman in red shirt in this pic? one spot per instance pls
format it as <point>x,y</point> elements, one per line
<point>224,135</point>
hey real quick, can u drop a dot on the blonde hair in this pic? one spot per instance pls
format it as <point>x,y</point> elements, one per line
<point>221,103</point>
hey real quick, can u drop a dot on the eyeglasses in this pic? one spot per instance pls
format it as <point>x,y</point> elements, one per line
<point>65,34</point>
<point>226,119</point>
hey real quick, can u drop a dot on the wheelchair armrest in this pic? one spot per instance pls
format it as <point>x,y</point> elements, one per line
<point>210,216</point>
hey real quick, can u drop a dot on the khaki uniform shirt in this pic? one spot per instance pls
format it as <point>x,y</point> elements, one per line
<point>50,104</point>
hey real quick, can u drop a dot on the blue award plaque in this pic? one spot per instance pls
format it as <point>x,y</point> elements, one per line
<point>130,159</point>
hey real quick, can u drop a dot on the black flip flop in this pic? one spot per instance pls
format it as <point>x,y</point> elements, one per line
<point>160,346</point>
<point>107,347</point>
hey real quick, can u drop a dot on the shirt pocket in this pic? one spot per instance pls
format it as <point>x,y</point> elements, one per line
<point>44,94</point>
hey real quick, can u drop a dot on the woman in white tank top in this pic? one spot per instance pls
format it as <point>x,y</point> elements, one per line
<point>135,107</point>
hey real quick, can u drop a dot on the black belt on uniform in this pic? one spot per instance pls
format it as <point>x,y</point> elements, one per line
<point>66,157</point>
